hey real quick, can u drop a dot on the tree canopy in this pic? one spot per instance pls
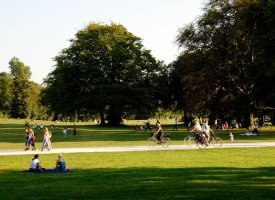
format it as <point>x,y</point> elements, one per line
<point>227,62</point>
<point>19,97</point>
<point>105,70</point>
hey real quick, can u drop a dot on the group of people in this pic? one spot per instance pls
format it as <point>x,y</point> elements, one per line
<point>202,131</point>
<point>60,165</point>
<point>65,131</point>
<point>30,138</point>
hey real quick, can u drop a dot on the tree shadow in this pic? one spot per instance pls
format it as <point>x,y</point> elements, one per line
<point>15,133</point>
<point>142,183</point>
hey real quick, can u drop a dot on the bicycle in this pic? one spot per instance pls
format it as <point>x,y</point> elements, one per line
<point>201,141</point>
<point>152,141</point>
<point>187,138</point>
<point>215,141</point>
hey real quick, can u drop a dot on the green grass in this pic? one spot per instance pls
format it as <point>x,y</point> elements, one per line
<point>13,133</point>
<point>193,174</point>
<point>190,174</point>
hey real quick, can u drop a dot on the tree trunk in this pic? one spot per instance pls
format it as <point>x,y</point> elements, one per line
<point>102,119</point>
<point>251,119</point>
<point>186,118</point>
<point>114,116</point>
<point>248,120</point>
<point>273,118</point>
<point>75,116</point>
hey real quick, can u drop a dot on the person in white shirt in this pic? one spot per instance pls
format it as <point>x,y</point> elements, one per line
<point>197,127</point>
<point>46,139</point>
<point>34,165</point>
<point>206,130</point>
<point>65,132</point>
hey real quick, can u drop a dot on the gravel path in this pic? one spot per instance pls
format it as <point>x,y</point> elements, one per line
<point>132,148</point>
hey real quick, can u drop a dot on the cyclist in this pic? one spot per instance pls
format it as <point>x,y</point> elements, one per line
<point>197,128</point>
<point>198,131</point>
<point>159,133</point>
<point>206,130</point>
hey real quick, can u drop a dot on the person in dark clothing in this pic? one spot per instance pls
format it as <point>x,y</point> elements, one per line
<point>159,133</point>
<point>74,130</point>
<point>147,126</point>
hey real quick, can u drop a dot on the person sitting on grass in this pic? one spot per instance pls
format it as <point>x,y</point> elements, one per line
<point>60,165</point>
<point>35,166</point>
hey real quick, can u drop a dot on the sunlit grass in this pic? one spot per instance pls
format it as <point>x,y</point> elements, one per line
<point>215,173</point>
<point>12,135</point>
<point>191,174</point>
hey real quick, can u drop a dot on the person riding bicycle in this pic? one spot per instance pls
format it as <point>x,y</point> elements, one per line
<point>159,133</point>
<point>197,128</point>
<point>199,133</point>
<point>206,130</point>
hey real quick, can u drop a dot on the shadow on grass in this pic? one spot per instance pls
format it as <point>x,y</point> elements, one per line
<point>142,183</point>
<point>15,133</point>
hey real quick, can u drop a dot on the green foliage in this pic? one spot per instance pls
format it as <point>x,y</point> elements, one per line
<point>102,68</point>
<point>19,97</point>
<point>6,85</point>
<point>20,107</point>
<point>226,66</point>
<point>19,69</point>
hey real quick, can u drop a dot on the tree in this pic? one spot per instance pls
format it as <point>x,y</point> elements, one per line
<point>223,51</point>
<point>18,69</point>
<point>6,84</point>
<point>20,73</point>
<point>105,70</point>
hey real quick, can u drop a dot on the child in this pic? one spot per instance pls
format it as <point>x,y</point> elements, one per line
<point>65,132</point>
<point>231,137</point>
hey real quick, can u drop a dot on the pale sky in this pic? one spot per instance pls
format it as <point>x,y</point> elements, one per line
<point>35,31</point>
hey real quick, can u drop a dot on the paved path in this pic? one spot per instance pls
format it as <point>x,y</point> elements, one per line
<point>132,148</point>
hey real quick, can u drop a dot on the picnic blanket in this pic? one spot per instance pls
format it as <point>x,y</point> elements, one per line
<point>249,134</point>
<point>48,171</point>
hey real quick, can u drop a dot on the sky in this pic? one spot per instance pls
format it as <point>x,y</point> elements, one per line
<point>35,31</point>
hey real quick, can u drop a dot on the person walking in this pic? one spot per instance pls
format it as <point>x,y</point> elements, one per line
<point>65,132</point>
<point>175,128</point>
<point>231,137</point>
<point>74,130</point>
<point>46,139</point>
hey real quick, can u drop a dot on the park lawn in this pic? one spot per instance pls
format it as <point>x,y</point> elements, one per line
<point>12,134</point>
<point>190,174</point>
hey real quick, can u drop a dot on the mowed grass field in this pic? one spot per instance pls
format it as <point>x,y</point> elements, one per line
<point>12,134</point>
<point>237,173</point>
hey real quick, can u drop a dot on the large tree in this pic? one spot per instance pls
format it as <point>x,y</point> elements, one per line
<point>225,50</point>
<point>105,70</point>
<point>21,93</point>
